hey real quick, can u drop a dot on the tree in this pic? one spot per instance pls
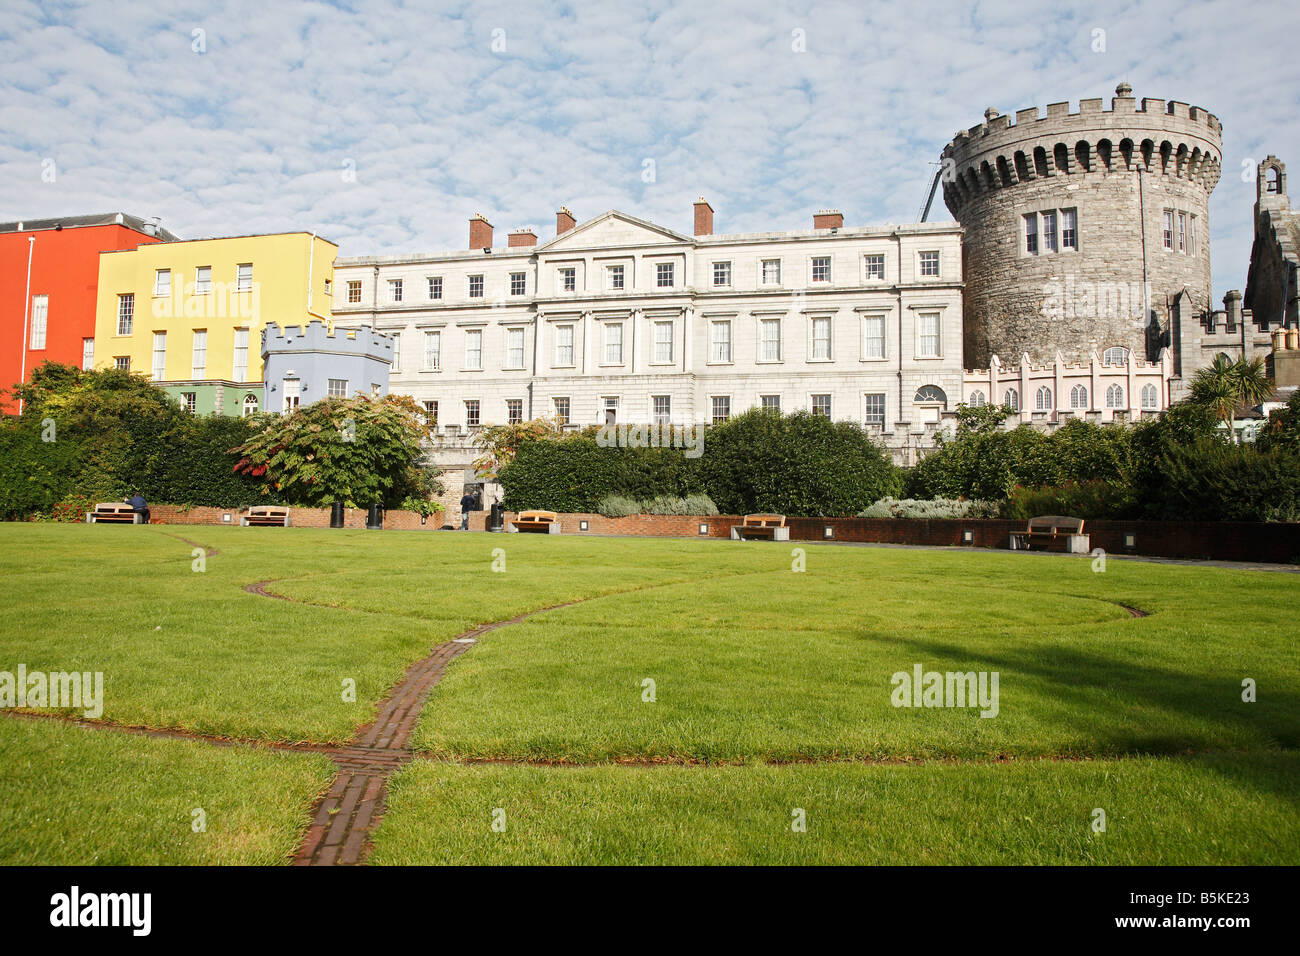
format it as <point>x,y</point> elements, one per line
<point>1225,386</point>
<point>359,451</point>
<point>1283,428</point>
<point>500,443</point>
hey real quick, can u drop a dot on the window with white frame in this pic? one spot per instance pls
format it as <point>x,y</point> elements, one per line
<point>564,346</point>
<point>609,404</point>
<point>1043,399</point>
<point>395,290</point>
<point>1182,232</point>
<point>122,363</point>
<point>569,279</point>
<point>875,409</point>
<point>200,354</point>
<point>125,312</point>
<point>190,401</point>
<point>435,287</point>
<point>613,343</point>
<point>821,269</point>
<point>771,403</point>
<point>396,336</point>
<point>931,395</point>
<point>720,340</point>
<point>875,263</point>
<point>1069,229</point>
<point>40,320</point>
<point>614,276</point>
<point>240,365</point>
<point>518,283</point>
<point>354,291</point>
<point>1168,232</point>
<point>250,405</point>
<point>1150,397</point>
<point>929,338</point>
<point>561,405</point>
<point>721,408</point>
<point>1115,396</point>
<point>769,335</point>
<point>1011,399</point>
<point>473,348</point>
<point>1049,231</point>
<point>821,405</point>
<point>159,356</point>
<point>432,350</point>
<point>1031,233</point>
<point>1191,235</point>
<point>976,399</point>
<point>202,280</point>
<point>476,287</point>
<point>514,411</point>
<point>721,274</point>
<point>821,338</point>
<point>1115,355</point>
<point>162,282</point>
<point>514,348</point>
<point>771,272</point>
<point>431,413</point>
<point>664,274</point>
<point>87,353</point>
<point>930,264</point>
<point>662,406</point>
<point>873,336</point>
<point>291,390</point>
<point>663,342</point>
<point>336,388</point>
<point>244,277</point>
<point>1079,397</point>
<point>472,419</point>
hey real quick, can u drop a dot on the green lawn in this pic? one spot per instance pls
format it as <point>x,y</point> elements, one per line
<point>751,663</point>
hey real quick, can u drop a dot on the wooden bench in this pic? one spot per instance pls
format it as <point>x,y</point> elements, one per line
<point>772,527</point>
<point>542,522</point>
<point>114,511</point>
<point>265,516</point>
<point>1049,531</point>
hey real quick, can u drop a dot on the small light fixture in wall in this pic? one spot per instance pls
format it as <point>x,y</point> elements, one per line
<point>828,532</point>
<point>583,524</point>
<point>704,529</point>
<point>1130,541</point>
<point>968,537</point>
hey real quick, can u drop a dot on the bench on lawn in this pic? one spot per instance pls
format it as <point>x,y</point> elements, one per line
<point>543,522</point>
<point>118,511</point>
<point>1049,531</point>
<point>265,516</point>
<point>761,526</point>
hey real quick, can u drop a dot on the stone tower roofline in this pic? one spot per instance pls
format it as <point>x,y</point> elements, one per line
<point>1169,138</point>
<point>315,337</point>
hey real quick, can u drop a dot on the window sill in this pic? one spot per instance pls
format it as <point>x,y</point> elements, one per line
<point>821,361</point>
<point>875,358</point>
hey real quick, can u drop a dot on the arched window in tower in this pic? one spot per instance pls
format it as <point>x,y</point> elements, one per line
<point>930,395</point>
<point>1012,399</point>
<point>1150,397</point>
<point>1040,161</point>
<point>1083,155</point>
<point>1103,153</point>
<point>1115,355</point>
<point>1043,399</point>
<point>977,399</point>
<point>1079,397</point>
<point>1061,158</point>
<point>1115,396</point>
<point>1271,180</point>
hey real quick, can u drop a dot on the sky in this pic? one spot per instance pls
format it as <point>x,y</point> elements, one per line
<point>385,127</point>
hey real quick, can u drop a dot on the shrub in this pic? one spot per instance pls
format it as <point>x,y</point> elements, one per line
<point>1283,427</point>
<point>934,508</point>
<point>1076,499</point>
<point>620,506</point>
<point>1211,480</point>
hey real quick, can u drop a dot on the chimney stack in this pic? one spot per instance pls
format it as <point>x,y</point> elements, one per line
<point>564,221</point>
<point>480,232</point>
<point>828,219</point>
<point>522,237</point>
<point>703,218</point>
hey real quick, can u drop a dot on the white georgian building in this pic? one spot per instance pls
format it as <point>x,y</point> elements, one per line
<point>623,320</point>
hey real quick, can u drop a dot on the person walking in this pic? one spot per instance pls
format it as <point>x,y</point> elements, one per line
<point>467,502</point>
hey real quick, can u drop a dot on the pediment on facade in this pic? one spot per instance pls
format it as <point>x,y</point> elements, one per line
<point>613,229</point>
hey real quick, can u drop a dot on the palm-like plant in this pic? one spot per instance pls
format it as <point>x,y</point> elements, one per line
<point>1226,385</point>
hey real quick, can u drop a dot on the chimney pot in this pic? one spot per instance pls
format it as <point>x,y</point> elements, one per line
<point>480,232</point>
<point>522,237</point>
<point>564,221</point>
<point>828,219</point>
<point>703,217</point>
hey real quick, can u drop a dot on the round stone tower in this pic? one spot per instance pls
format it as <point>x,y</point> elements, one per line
<point>1084,229</point>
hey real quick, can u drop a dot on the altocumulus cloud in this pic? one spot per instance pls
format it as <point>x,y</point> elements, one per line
<point>385,127</point>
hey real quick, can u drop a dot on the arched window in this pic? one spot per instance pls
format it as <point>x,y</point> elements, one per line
<point>1043,399</point>
<point>1115,355</point>
<point>976,399</point>
<point>250,405</point>
<point>1150,397</point>
<point>1079,397</point>
<point>1012,399</point>
<point>1115,396</point>
<point>930,395</point>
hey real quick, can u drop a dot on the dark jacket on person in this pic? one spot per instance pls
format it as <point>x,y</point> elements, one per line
<point>467,502</point>
<point>137,502</point>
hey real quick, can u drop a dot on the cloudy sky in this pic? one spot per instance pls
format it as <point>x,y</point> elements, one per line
<point>384,127</point>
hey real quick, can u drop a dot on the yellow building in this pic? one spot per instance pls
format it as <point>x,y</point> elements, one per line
<point>190,313</point>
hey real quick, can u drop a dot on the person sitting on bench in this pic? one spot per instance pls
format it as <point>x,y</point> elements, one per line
<point>139,506</point>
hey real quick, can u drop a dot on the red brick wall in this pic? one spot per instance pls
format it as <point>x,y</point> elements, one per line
<point>299,517</point>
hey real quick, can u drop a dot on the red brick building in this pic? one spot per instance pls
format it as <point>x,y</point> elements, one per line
<point>48,274</point>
